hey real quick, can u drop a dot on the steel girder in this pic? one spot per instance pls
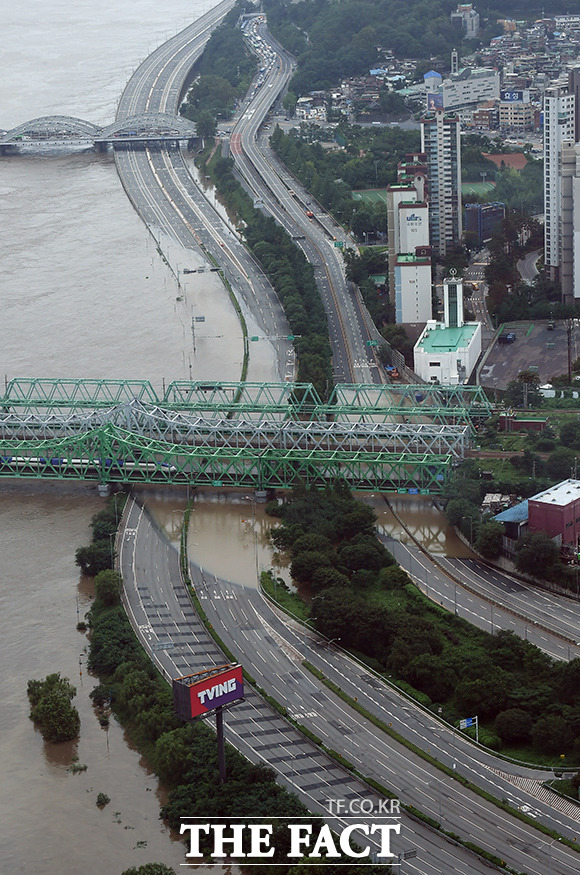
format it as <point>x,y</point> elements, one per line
<point>113,454</point>
<point>191,429</point>
<point>439,404</point>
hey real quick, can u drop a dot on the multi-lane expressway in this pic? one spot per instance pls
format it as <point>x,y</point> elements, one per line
<point>162,615</point>
<point>164,193</point>
<point>292,207</point>
<point>161,186</point>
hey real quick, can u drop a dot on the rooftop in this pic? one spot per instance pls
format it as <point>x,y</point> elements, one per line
<point>561,494</point>
<point>442,340</point>
<point>410,258</point>
<point>516,514</point>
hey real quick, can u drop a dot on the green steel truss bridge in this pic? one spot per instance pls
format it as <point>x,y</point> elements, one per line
<point>250,435</point>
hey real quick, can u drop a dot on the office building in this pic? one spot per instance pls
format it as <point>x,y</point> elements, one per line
<point>412,287</point>
<point>447,352</point>
<point>484,220</point>
<point>441,145</point>
<point>466,19</point>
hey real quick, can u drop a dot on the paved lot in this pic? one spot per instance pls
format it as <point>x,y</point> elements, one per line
<point>536,348</point>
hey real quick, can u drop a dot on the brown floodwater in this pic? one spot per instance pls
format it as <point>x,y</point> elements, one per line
<point>50,821</point>
<point>228,533</point>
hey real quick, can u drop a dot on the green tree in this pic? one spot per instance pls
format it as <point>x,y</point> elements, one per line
<point>108,587</point>
<point>51,708</point>
<point>94,558</point>
<point>513,725</point>
<point>304,565</point>
<point>206,124</point>
<point>552,734</point>
<point>570,435</point>
<point>560,463</point>
<point>536,554</point>
<point>489,539</point>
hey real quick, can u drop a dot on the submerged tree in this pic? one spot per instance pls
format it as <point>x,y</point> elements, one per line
<point>51,708</point>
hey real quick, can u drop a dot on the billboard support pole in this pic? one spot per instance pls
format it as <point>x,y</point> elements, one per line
<point>219,725</point>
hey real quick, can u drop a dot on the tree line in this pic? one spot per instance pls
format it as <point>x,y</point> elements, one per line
<point>524,699</point>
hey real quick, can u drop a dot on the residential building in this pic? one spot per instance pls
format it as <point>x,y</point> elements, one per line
<point>441,145</point>
<point>570,221</point>
<point>559,125</point>
<point>412,287</point>
<point>466,18</point>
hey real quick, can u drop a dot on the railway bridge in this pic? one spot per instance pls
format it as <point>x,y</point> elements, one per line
<point>249,435</point>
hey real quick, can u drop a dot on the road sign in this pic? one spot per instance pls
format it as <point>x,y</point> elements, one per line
<point>291,337</point>
<point>338,244</point>
<point>407,855</point>
<point>372,342</point>
<point>254,338</point>
<point>469,721</point>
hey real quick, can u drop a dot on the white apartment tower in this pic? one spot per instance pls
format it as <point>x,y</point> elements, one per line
<point>570,222</point>
<point>559,125</point>
<point>441,144</point>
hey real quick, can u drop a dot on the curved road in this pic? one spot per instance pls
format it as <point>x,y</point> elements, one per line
<point>162,614</point>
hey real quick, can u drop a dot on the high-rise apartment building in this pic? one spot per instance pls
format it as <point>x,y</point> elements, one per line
<point>440,143</point>
<point>570,222</point>
<point>559,125</point>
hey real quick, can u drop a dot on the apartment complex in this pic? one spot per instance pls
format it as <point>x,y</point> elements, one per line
<point>559,126</point>
<point>441,145</point>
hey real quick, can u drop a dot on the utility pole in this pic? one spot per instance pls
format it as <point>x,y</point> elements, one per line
<point>569,329</point>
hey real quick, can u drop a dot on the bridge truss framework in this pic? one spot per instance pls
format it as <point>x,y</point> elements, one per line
<point>250,435</point>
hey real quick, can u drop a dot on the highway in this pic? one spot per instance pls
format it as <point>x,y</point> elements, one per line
<point>161,613</point>
<point>285,199</point>
<point>160,185</point>
<point>165,195</point>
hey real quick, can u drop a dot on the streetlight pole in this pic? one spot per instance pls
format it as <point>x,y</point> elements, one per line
<point>306,627</point>
<point>470,521</point>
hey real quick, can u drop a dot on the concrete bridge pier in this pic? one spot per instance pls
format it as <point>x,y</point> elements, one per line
<point>101,146</point>
<point>104,490</point>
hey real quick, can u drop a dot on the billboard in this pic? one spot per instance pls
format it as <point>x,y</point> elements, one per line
<point>518,96</point>
<point>434,102</point>
<point>199,694</point>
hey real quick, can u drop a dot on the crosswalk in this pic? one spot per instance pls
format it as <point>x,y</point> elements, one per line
<point>542,793</point>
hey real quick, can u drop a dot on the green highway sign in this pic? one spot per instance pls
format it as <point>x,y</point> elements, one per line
<point>255,337</point>
<point>338,244</point>
<point>372,342</point>
<point>290,337</point>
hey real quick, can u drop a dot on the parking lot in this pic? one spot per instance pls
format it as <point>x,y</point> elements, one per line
<point>535,348</point>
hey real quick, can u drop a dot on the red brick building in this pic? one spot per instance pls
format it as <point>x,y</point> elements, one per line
<point>556,511</point>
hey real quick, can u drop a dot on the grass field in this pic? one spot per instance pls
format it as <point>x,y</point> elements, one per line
<point>371,195</point>
<point>479,188</point>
